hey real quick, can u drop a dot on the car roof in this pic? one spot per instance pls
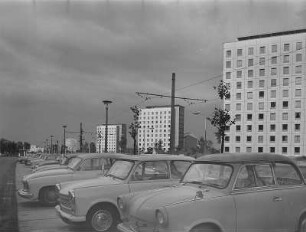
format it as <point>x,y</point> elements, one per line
<point>148,157</point>
<point>154,157</point>
<point>244,157</point>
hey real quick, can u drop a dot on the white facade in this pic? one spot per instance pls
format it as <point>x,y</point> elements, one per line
<point>114,134</point>
<point>266,74</point>
<point>155,126</point>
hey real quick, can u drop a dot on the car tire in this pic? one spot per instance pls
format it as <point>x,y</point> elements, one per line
<point>48,196</point>
<point>102,219</point>
<point>302,224</point>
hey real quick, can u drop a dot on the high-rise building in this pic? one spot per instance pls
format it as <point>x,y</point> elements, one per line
<point>115,133</point>
<point>266,76</point>
<point>155,127</point>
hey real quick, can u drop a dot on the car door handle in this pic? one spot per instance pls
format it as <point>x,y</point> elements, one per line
<point>277,198</point>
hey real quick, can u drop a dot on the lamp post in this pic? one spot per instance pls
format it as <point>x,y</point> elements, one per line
<point>64,126</point>
<point>51,145</point>
<point>106,103</point>
<point>205,126</point>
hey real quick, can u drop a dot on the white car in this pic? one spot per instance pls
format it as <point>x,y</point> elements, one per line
<point>41,185</point>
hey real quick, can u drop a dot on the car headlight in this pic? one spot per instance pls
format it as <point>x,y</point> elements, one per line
<point>72,200</point>
<point>120,203</point>
<point>58,187</point>
<point>161,217</point>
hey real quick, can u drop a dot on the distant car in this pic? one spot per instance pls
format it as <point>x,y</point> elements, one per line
<point>47,160</point>
<point>41,185</point>
<point>223,192</point>
<point>63,162</point>
<point>94,201</point>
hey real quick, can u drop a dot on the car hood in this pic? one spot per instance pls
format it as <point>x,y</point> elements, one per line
<point>49,167</point>
<point>52,172</point>
<point>89,183</point>
<point>143,205</point>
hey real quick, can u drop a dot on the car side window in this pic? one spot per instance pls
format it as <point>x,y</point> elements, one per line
<point>286,174</point>
<point>245,178</point>
<point>178,168</point>
<point>86,165</point>
<point>264,175</point>
<point>90,164</point>
<point>151,170</point>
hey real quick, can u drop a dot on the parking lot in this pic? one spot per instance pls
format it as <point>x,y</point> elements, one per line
<point>34,217</point>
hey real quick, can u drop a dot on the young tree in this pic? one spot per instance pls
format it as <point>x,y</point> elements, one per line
<point>122,144</point>
<point>134,126</point>
<point>221,119</point>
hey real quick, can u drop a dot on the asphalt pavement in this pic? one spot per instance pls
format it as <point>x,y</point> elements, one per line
<point>8,205</point>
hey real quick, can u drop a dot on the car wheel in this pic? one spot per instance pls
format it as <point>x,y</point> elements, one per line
<point>302,225</point>
<point>49,196</point>
<point>103,219</point>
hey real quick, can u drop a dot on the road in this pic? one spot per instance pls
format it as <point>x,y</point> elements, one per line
<point>8,207</point>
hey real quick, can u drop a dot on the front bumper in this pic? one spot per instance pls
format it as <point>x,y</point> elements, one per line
<point>25,194</point>
<point>123,228</point>
<point>69,217</point>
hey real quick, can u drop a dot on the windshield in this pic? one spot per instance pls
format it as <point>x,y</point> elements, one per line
<point>214,175</point>
<point>74,162</point>
<point>120,169</point>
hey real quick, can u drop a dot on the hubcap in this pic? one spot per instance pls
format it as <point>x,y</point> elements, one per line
<point>102,220</point>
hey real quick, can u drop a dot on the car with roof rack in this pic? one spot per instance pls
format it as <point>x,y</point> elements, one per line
<point>94,201</point>
<point>223,192</point>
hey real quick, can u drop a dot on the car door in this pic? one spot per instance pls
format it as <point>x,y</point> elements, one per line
<point>89,168</point>
<point>150,175</point>
<point>293,190</point>
<point>259,205</point>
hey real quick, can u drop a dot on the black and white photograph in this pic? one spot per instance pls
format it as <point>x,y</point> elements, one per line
<point>152,116</point>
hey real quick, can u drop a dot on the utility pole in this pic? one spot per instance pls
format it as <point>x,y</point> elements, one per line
<point>64,126</point>
<point>51,150</point>
<point>172,132</point>
<point>81,138</point>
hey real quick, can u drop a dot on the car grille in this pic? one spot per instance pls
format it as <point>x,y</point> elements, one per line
<point>64,201</point>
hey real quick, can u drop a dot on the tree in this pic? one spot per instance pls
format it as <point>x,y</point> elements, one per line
<point>221,119</point>
<point>122,144</point>
<point>134,126</point>
<point>159,148</point>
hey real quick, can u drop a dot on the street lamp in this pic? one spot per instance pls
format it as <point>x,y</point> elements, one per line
<point>106,103</point>
<point>64,126</point>
<point>205,125</point>
<point>51,145</point>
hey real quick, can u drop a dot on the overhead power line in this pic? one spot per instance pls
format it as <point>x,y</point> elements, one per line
<point>161,95</point>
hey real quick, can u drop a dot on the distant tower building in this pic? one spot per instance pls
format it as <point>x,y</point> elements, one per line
<point>115,133</point>
<point>155,122</point>
<point>266,75</point>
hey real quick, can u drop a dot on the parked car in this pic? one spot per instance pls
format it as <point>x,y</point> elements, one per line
<point>94,201</point>
<point>223,192</point>
<point>47,160</point>
<point>62,163</point>
<point>41,185</point>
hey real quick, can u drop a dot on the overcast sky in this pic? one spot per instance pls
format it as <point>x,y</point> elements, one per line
<point>60,59</point>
